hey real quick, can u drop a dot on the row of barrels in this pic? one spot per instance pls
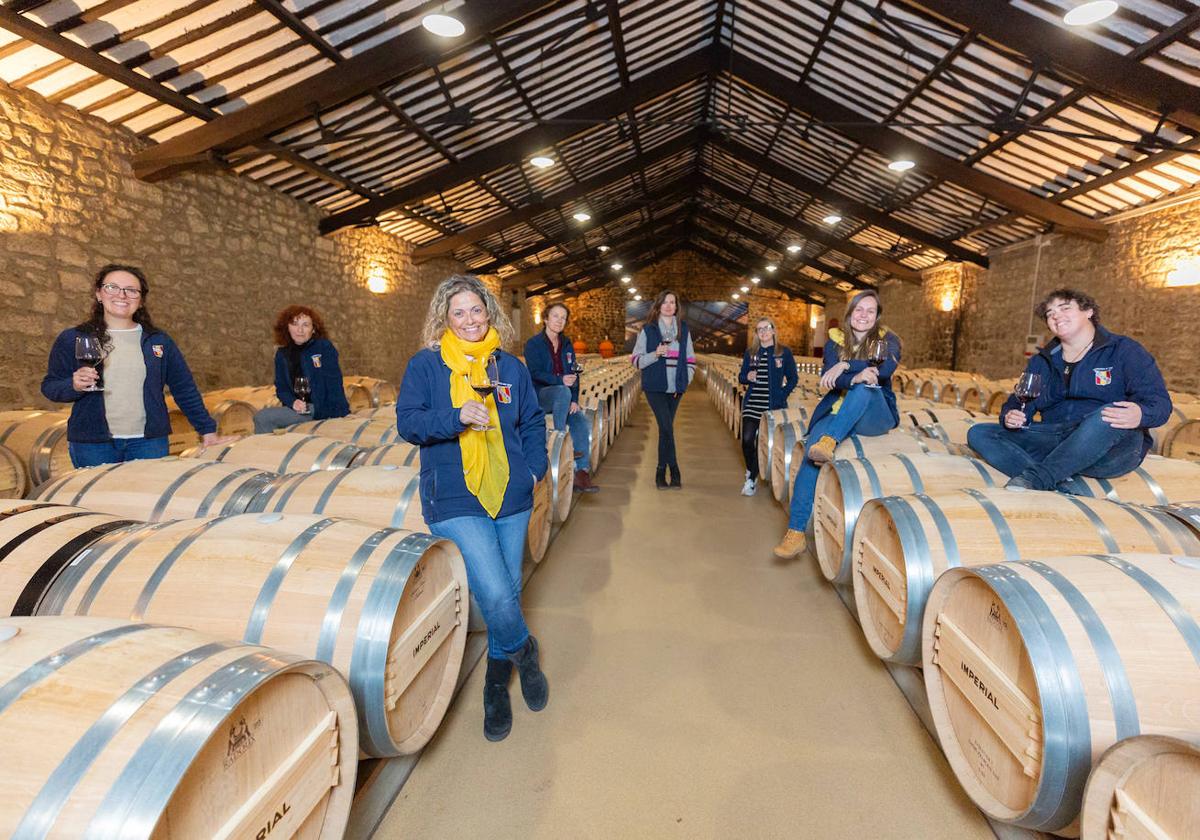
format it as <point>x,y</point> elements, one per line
<point>1049,627</point>
<point>326,563</point>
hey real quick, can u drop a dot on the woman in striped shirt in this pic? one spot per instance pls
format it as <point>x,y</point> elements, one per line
<point>770,371</point>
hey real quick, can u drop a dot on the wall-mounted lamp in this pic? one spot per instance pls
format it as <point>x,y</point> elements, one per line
<point>1186,273</point>
<point>947,304</point>
<point>377,280</point>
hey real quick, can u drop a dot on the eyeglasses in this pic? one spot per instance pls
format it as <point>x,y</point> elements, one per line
<point>113,290</point>
<point>765,328</point>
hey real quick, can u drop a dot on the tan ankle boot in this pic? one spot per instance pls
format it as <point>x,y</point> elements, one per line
<point>794,542</point>
<point>822,451</point>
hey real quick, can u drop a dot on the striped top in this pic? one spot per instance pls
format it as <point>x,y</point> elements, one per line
<point>758,396</point>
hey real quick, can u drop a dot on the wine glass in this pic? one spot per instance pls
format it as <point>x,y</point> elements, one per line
<point>302,389</point>
<point>88,352</point>
<point>484,384</point>
<point>1027,389</point>
<point>877,353</point>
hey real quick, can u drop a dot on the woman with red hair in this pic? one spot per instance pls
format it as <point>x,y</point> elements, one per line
<point>304,350</point>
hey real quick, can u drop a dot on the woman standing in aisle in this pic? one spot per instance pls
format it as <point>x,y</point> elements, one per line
<point>770,371</point>
<point>122,417</point>
<point>305,357</point>
<point>472,409</point>
<point>858,370</point>
<point>667,360</point>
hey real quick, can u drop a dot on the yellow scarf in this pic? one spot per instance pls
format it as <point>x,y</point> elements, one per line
<point>485,461</point>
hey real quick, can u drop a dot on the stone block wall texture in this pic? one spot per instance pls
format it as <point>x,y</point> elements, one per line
<point>222,255</point>
<point>792,319</point>
<point>1126,274</point>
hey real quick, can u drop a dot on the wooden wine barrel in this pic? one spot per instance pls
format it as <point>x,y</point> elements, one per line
<point>36,541</point>
<point>924,415</point>
<point>39,439</point>
<point>182,436</point>
<point>386,496</point>
<point>1034,669</point>
<point>233,418</point>
<point>844,486</point>
<point>1180,436</point>
<point>789,445</point>
<point>366,433</point>
<point>537,533</point>
<point>1001,391</point>
<point>400,454</point>
<point>258,396</point>
<point>1144,786</point>
<point>386,607</point>
<point>387,411</point>
<point>161,488</point>
<point>600,422</point>
<point>973,396</point>
<point>951,431</point>
<point>380,391</point>
<point>1158,481</point>
<point>767,434</point>
<point>1182,397</point>
<point>14,481</point>
<point>281,453</point>
<point>902,543</point>
<point>857,447</point>
<point>170,734</point>
<point>358,396</point>
<point>561,452</point>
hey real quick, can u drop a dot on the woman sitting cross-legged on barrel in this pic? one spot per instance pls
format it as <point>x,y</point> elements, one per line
<point>551,362</point>
<point>858,370</point>
<point>304,350</point>
<point>1100,395</point>
<point>115,385</point>
<point>770,371</point>
<point>480,457</point>
<point>665,356</point>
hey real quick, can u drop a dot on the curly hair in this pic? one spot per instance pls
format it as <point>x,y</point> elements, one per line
<point>95,323</point>
<point>290,313</point>
<point>1081,299</point>
<point>859,351</point>
<point>437,319</point>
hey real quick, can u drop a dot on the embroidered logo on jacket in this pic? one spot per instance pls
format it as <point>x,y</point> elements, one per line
<point>504,393</point>
<point>157,349</point>
<point>1103,375</point>
<point>316,360</point>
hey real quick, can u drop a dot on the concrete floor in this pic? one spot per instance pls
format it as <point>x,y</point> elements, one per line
<point>699,687</point>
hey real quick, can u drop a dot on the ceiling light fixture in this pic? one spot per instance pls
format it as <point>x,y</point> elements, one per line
<point>794,248</point>
<point>445,26</point>
<point>541,161</point>
<point>745,288</point>
<point>616,266</point>
<point>901,165</point>
<point>1090,13</point>
<point>756,280</point>
<point>626,279</point>
<point>603,249</point>
<point>637,297</point>
<point>736,296</point>
<point>832,219</point>
<point>772,267</point>
<point>632,291</point>
<point>582,216</point>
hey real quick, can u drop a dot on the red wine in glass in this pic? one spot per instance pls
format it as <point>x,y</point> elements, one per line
<point>88,352</point>
<point>1028,389</point>
<point>877,353</point>
<point>303,390</point>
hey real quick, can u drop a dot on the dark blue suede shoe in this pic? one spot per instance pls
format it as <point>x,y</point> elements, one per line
<point>497,708</point>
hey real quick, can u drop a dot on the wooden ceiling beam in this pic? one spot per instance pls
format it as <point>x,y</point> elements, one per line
<point>895,145</point>
<point>1050,45</point>
<point>748,259</point>
<point>399,56</point>
<point>738,268</point>
<point>658,251</point>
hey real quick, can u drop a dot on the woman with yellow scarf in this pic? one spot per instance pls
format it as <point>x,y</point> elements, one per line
<point>480,458</point>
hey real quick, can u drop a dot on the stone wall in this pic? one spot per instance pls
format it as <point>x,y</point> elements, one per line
<point>792,318</point>
<point>1127,274</point>
<point>222,254</point>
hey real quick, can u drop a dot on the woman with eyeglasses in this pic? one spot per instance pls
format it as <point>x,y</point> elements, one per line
<point>115,387</point>
<point>770,371</point>
<point>305,355</point>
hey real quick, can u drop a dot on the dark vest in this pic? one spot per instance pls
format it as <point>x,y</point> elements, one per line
<point>654,378</point>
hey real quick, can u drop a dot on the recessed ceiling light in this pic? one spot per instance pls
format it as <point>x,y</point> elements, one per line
<point>745,288</point>
<point>626,279</point>
<point>637,297</point>
<point>755,279</point>
<point>736,296</point>
<point>603,248</point>
<point>581,216</point>
<point>617,266</point>
<point>443,25</point>
<point>901,165</point>
<point>541,161</point>
<point>832,219</point>
<point>772,267</point>
<point>795,248</point>
<point>1090,13</point>
<point>632,291</point>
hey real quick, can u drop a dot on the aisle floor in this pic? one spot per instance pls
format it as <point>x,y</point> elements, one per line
<point>699,688</point>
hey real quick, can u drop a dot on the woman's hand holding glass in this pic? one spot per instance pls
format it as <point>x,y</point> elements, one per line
<point>752,376</point>
<point>830,377</point>
<point>474,413</point>
<point>869,376</point>
<point>85,379</point>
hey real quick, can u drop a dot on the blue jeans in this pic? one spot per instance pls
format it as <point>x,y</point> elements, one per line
<point>1049,454</point>
<point>664,406</point>
<point>267,420</point>
<point>492,550</point>
<point>556,400</point>
<point>864,411</point>
<point>117,451</point>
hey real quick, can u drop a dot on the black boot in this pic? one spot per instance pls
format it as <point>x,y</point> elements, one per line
<point>534,687</point>
<point>497,709</point>
<point>675,484</point>
<point>660,478</point>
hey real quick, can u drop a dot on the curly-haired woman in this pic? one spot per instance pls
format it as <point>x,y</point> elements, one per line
<point>304,350</point>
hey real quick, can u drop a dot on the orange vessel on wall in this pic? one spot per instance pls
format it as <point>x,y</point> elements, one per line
<point>606,349</point>
<point>580,347</point>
